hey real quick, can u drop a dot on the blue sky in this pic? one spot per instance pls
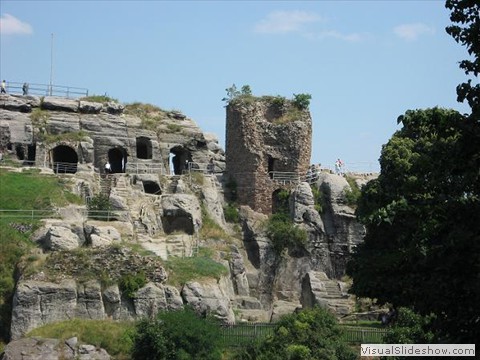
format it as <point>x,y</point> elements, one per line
<point>364,62</point>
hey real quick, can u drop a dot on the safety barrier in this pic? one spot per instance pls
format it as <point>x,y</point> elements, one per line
<point>46,90</point>
<point>239,334</point>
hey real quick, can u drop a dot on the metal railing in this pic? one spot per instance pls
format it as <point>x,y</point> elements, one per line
<point>364,335</point>
<point>243,333</point>
<point>47,90</point>
<point>285,177</point>
<point>139,168</point>
<point>28,214</point>
<point>64,167</point>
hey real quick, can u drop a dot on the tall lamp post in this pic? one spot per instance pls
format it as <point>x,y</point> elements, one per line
<point>51,67</point>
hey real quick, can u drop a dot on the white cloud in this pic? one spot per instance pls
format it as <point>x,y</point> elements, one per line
<point>411,32</point>
<point>10,25</point>
<point>353,37</point>
<point>280,22</point>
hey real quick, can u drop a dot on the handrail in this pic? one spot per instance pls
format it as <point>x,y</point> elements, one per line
<point>139,168</point>
<point>27,213</point>
<point>47,90</point>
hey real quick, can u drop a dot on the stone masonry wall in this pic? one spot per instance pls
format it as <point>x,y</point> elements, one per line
<point>263,136</point>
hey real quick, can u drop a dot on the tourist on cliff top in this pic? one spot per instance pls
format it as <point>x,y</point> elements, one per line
<point>25,89</point>
<point>3,87</point>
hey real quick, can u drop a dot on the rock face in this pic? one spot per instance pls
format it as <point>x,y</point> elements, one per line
<point>52,349</point>
<point>37,303</point>
<point>161,205</point>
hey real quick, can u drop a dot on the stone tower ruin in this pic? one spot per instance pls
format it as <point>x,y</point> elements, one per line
<point>268,148</point>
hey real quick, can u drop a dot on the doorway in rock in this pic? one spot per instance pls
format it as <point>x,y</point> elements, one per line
<point>179,159</point>
<point>20,151</point>
<point>117,157</point>
<point>272,166</point>
<point>144,148</point>
<point>65,160</point>
<point>151,187</point>
<point>176,220</point>
<point>31,153</point>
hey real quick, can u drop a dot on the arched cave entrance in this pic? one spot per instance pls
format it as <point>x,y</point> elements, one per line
<point>65,159</point>
<point>280,204</point>
<point>144,148</point>
<point>32,153</point>
<point>179,159</point>
<point>117,157</point>
<point>151,187</point>
<point>177,220</point>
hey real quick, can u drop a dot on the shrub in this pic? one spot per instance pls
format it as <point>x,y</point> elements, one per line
<point>98,206</point>
<point>231,213</point>
<point>318,199</point>
<point>181,335</point>
<point>410,328</point>
<point>352,195</point>
<point>302,101</point>
<point>284,234</point>
<point>309,334</point>
<point>130,283</point>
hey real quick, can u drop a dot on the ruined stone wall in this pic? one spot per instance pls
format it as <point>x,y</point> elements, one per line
<point>262,136</point>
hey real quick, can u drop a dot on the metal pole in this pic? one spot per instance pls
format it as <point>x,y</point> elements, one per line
<point>51,65</point>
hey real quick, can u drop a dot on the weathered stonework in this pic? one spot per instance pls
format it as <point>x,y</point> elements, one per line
<point>263,137</point>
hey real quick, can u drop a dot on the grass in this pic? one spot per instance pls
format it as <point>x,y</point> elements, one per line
<point>98,99</point>
<point>183,270</point>
<point>114,336</point>
<point>26,190</point>
<point>74,136</point>
<point>210,229</point>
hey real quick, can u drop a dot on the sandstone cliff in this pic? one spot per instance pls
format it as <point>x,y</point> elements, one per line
<point>162,204</point>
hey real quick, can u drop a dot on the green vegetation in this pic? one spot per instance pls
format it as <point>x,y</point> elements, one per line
<point>422,216</point>
<point>174,128</point>
<point>308,335</point>
<point>99,206</point>
<point>39,117</point>
<point>130,283</point>
<point>183,270</point>
<point>410,328</point>
<point>352,194</point>
<point>284,234</point>
<point>99,99</point>
<point>231,213</point>
<point>318,198</point>
<point>74,136</point>
<point>22,191</point>
<point>177,335</point>
<point>233,93</point>
<point>302,101</point>
<point>210,229</point>
<point>114,336</point>
<point>150,115</point>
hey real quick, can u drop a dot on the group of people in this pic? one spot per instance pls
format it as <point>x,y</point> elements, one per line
<point>3,88</point>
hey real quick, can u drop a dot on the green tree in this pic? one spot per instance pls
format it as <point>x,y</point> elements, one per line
<point>302,101</point>
<point>177,335</point>
<point>422,216</point>
<point>465,29</point>
<point>308,335</point>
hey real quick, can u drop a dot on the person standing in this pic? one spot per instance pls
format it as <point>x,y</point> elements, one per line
<point>25,89</point>
<point>3,87</point>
